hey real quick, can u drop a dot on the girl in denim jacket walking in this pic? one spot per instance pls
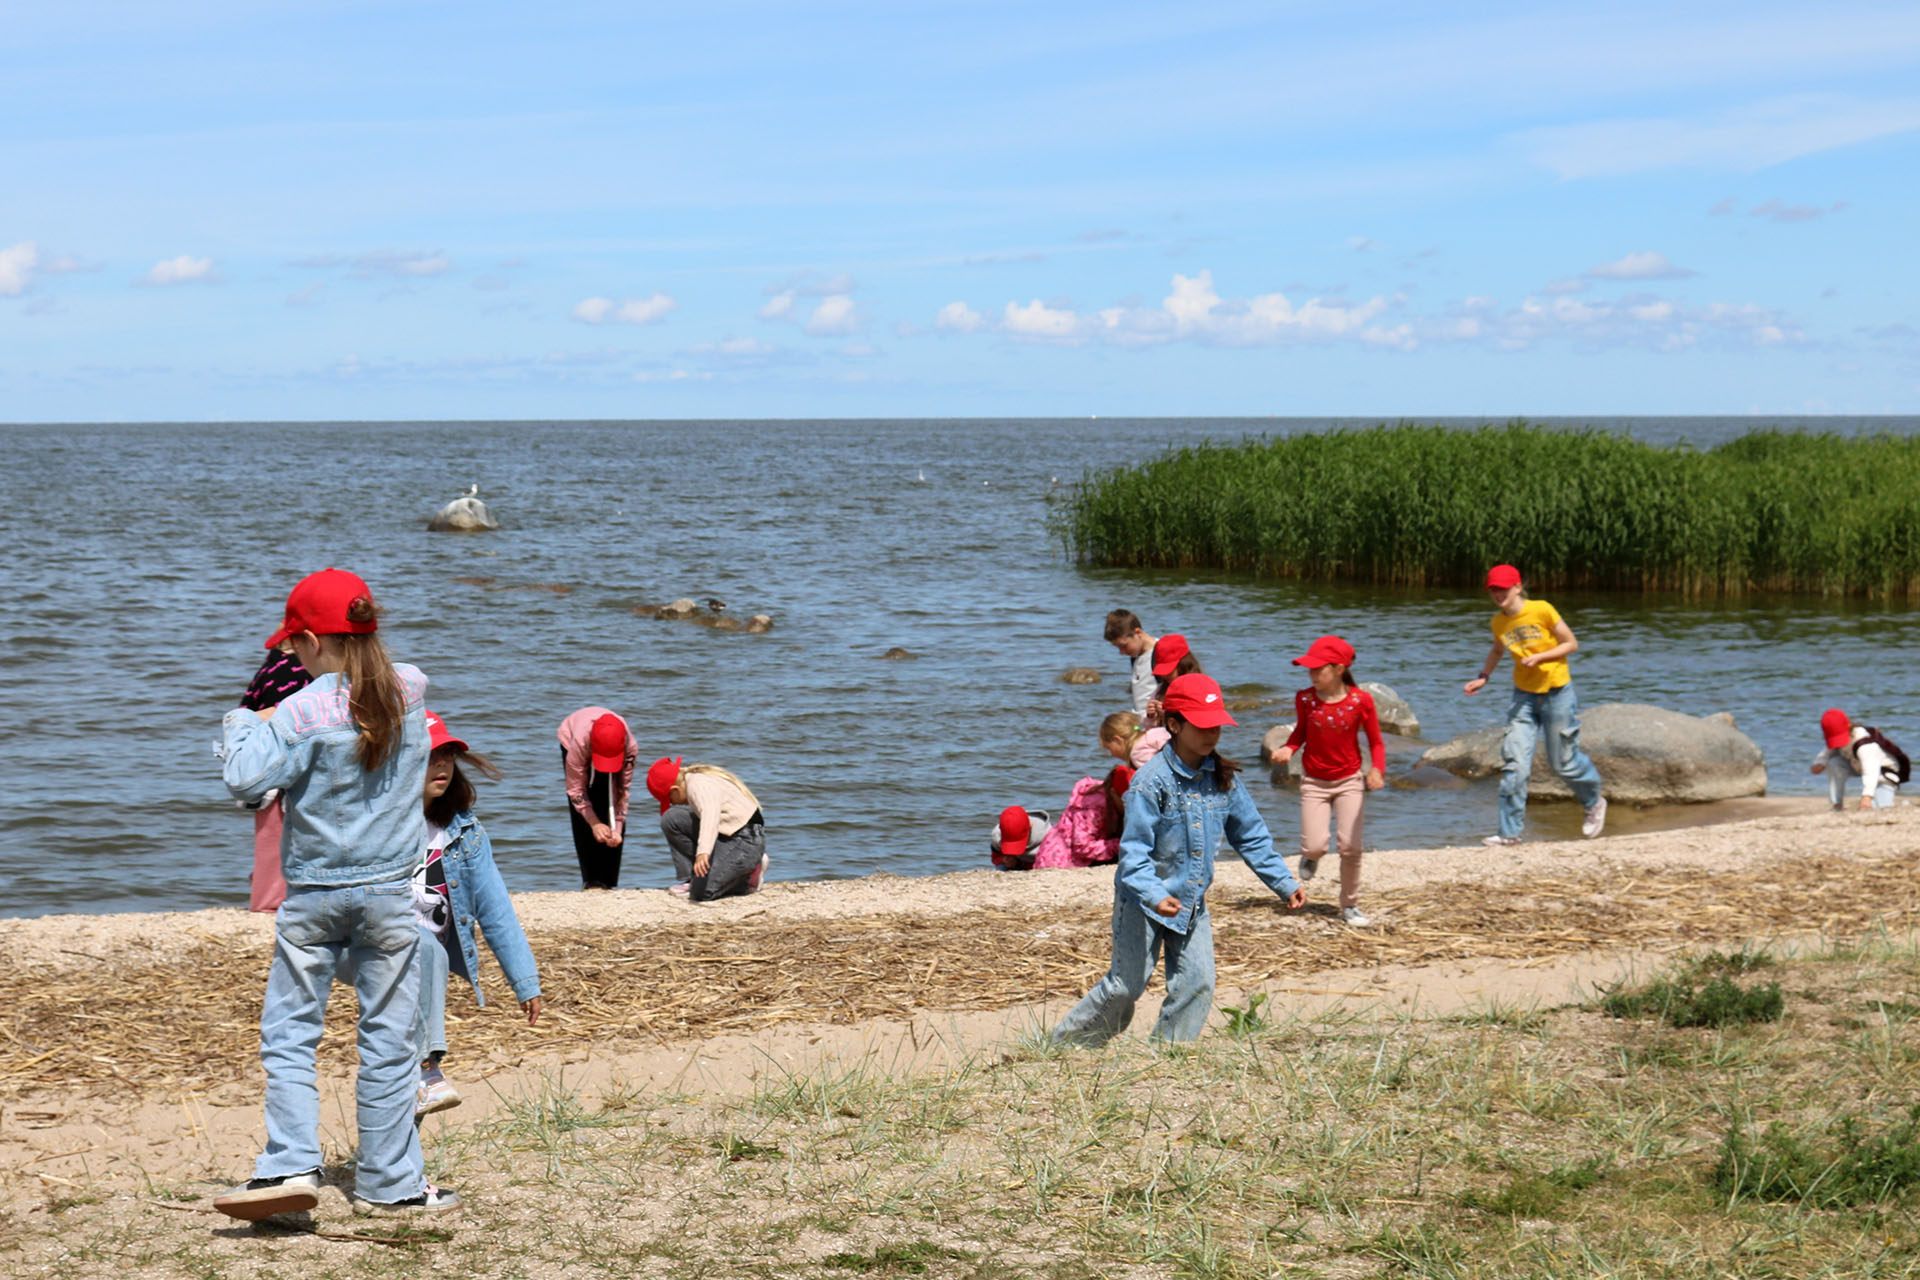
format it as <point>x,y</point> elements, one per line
<point>1179,807</point>
<point>350,753</point>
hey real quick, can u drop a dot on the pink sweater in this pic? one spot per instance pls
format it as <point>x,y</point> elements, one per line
<point>1079,839</point>
<point>575,731</point>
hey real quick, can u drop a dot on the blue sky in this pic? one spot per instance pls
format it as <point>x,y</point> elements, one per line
<point>397,210</point>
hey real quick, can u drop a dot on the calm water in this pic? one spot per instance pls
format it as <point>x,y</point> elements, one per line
<point>145,564</point>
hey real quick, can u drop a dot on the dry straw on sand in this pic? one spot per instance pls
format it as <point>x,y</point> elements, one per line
<point>158,1026</point>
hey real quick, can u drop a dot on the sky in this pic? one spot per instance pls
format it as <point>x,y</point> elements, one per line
<point>216,211</point>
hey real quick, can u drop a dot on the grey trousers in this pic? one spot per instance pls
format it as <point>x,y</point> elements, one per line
<point>734,857</point>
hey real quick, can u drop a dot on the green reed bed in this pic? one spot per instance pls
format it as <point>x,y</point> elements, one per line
<point>1408,505</point>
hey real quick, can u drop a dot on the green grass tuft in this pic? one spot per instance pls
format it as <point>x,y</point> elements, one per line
<point>1845,1163</point>
<point>1720,1002</point>
<point>1538,1195</point>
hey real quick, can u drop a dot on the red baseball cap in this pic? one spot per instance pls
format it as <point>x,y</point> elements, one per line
<point>1122,776</point>
<point>319,603</point>
<point>1325,650</point>
<point>1167,652</point>
<point>1502,576</point>
<point>1016,828</point>
<point>1196,699</point>
<point>1834,723</point>
<point>661,775</point>
<point>608,742</point>
<point>438,735</point>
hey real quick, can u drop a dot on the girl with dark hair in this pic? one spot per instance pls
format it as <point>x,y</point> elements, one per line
<point>1172,658</point>
<point>456,886</point>
<point>1328,720</point>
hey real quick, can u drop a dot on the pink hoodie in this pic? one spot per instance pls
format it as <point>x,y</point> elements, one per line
<point>1079,839</point>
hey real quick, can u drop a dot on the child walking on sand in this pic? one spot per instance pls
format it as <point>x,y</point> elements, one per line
<point>350,753</point>
<point>1859,751</point>
<point>1543,703</point>
<point>455,887</point>
<point>1328,720</point>
<point>1178,809</point>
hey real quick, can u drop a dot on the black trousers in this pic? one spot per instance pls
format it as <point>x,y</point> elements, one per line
<point>599,863</point>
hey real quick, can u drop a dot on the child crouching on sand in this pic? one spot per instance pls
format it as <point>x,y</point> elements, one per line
<point>455,887</point>
<point>714,829</point>
<point>1328,720</point>
<point>1177,810</point>
<point>1859,751</point>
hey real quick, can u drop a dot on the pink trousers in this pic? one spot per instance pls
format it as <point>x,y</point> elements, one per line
<point>269,889</point>
<point>1343,802</point>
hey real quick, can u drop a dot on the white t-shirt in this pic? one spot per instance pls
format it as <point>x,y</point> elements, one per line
<point>1143,683</point>
<point>432,902</point>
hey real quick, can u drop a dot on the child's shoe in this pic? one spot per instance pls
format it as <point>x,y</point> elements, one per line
<point>266,1197</point>
<point>434,1200</point>
<point>436,1093</point>
<point>1595,819</point>
<point>1355,917</point>
<point>682,889</point>
<point>1309,867</point>
<point>759,872</point>
<point>1500,842</point>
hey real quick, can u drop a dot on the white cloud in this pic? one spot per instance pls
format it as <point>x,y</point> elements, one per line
<point>632,311</point>
<point>1361,244</point>
<point>17,265</point>
<point>1750,138</point>
<point>778,307</point>
<point>736,349</point>
<point>1194,311</point>
<point>1644,265</point>
<point>860,351</point>
<point>1645,322</point>
<point>958,317</point>
<point>1041,323</point>
<point>1779,211</point>
<point>672,375</point>
<point>185,269</point>
<point>835,315</point>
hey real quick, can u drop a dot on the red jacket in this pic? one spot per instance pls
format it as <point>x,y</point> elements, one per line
<point>1331,732</point>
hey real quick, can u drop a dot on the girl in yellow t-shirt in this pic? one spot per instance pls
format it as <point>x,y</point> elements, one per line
<point>1543,703</point>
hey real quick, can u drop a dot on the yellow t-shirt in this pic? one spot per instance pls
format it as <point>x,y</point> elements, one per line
<point>1531,631</point>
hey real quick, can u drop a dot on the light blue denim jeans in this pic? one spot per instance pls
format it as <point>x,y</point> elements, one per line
<point>366,931</point>
<point>430,969</point>
<point>1839,769</point>
<point>1105,1011</point>
<point>1554,716</point>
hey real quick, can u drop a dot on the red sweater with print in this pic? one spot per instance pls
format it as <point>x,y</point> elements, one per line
<point>1331,731</point>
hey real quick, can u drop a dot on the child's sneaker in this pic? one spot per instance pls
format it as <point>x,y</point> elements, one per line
<point>1500,842</point>
<point>682,889</point>
<point>1355,917</point>
<point>266,1197</point>
<point>759,872</point>
<point>1309,867</point>
<point>1596,819</point>
<point>436,1093</point>
<point>432,1200</point>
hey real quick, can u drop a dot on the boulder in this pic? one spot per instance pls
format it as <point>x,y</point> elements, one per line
<point>1645,754</point>
<point>685,610</point>
<point>1427,777</point>
<point>897,654</point>
<point>1081,675</point>
<point>463,515</point>
<point>1396,715</point>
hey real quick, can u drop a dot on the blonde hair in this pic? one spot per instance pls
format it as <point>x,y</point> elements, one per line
<point>729,776</point>
<point>374,696</point>
<point>1121,726</point>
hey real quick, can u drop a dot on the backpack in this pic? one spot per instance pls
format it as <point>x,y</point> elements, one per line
<point>1903,767</point>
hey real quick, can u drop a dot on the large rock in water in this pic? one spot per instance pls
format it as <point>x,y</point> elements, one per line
<point>1646,755</point>
<point>1396,714</point>
<point>463,515</point>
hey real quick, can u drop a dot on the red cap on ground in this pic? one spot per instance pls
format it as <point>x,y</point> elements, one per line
<point>438,735</point>
<point>608,742</point>
<point>1167,652</point>
<point>1016,828</point>
<point>1835,725</point>
<point>1196,699</point>
<point>1502,576</point>
<point>661,775</point>
<point>319,603</point>
<point>1324,650</point>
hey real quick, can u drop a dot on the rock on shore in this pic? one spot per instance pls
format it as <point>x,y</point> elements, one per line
<point>1645,754</point>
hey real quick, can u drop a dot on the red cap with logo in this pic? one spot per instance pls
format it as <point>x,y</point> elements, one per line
<point>1835,725</point>
<point>1167,652</point>
<point>320,603</point>
<point>1502,577</point>
<point>1325,650</point>
<point>1016,828</point>
<point>1196,699</point>
<point>438,735</point>
<point>607,740</point>
<point>661,775</point>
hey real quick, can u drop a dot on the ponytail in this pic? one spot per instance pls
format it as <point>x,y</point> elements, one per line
<point>1346,674</point>
<point>1121,726</point>
<point>374,696</point>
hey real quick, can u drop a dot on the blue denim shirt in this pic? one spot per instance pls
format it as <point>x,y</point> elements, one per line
<point>479,896</point>
<point>344,824</point>
<point>1176,817</point>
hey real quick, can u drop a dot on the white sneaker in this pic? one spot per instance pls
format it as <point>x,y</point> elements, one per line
<point>436,1093</point>
<point>1308,867</point>
<point>432,1200</point>
<point>1596,819</point>
<point>759,874</point>
<point>1355,917</point>
<point>266,1197</point>
<point>680,890</point>
<point>1500,842</point>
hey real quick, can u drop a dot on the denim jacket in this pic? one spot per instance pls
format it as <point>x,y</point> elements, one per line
<point>1176,816</point>
<point>344,824</point>
<point>479,896</point>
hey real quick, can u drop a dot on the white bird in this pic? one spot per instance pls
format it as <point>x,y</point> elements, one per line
<point>473,491</point>
<point>921,478</point>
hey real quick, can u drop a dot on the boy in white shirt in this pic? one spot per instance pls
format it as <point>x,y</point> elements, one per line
<point>1858,750</point>
<point>1125,633</point>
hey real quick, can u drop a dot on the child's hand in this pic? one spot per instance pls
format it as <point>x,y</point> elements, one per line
<point>1819,766</point>
<point>1153,707</point>
<point>1298,899</point>
<point>1866,802</point>
<point>701,863</point>
<point>1530,661</point>
<point>1283,755</point>
<point>265,713</point>
<point>603,833</point>
<point>1376,779</point>
<point>1474,686</point>
<point>1168,906</point>
<point>532,1010</point>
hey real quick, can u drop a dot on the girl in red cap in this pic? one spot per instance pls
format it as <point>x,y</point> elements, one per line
<point>714,829</point>
<point>1179,808</point>
<point>1544,704</point>
<point>1172,658</point>
<point>1328,720</point>
<point>1859,751</point>
<point>598,754</point>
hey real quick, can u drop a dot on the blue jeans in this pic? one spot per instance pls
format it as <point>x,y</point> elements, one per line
<point>430,969</point>
<point>1106,1010</point>
<point>1839,769</point>
<point>367,931</point>
<point>1555,716</point>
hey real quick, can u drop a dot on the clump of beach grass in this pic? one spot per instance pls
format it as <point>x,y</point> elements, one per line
<point>1410,505</point>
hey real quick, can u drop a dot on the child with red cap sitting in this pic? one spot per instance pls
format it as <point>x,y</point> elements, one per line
<point>1328,720</point>
<point>1859,751</point>
<point>714,829</point>
<point>1017,834</point>
<point>599,755</point>
<point>1179,808</point>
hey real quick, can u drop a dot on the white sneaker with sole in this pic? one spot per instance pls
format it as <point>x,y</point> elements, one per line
<point>1596,819</point>
<point>1500,842</point>
<point>436,1094</point>
<point>433,1200</point>
<point>759,874</point>
<point>266,1197</point>
<point>1355,917</point>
